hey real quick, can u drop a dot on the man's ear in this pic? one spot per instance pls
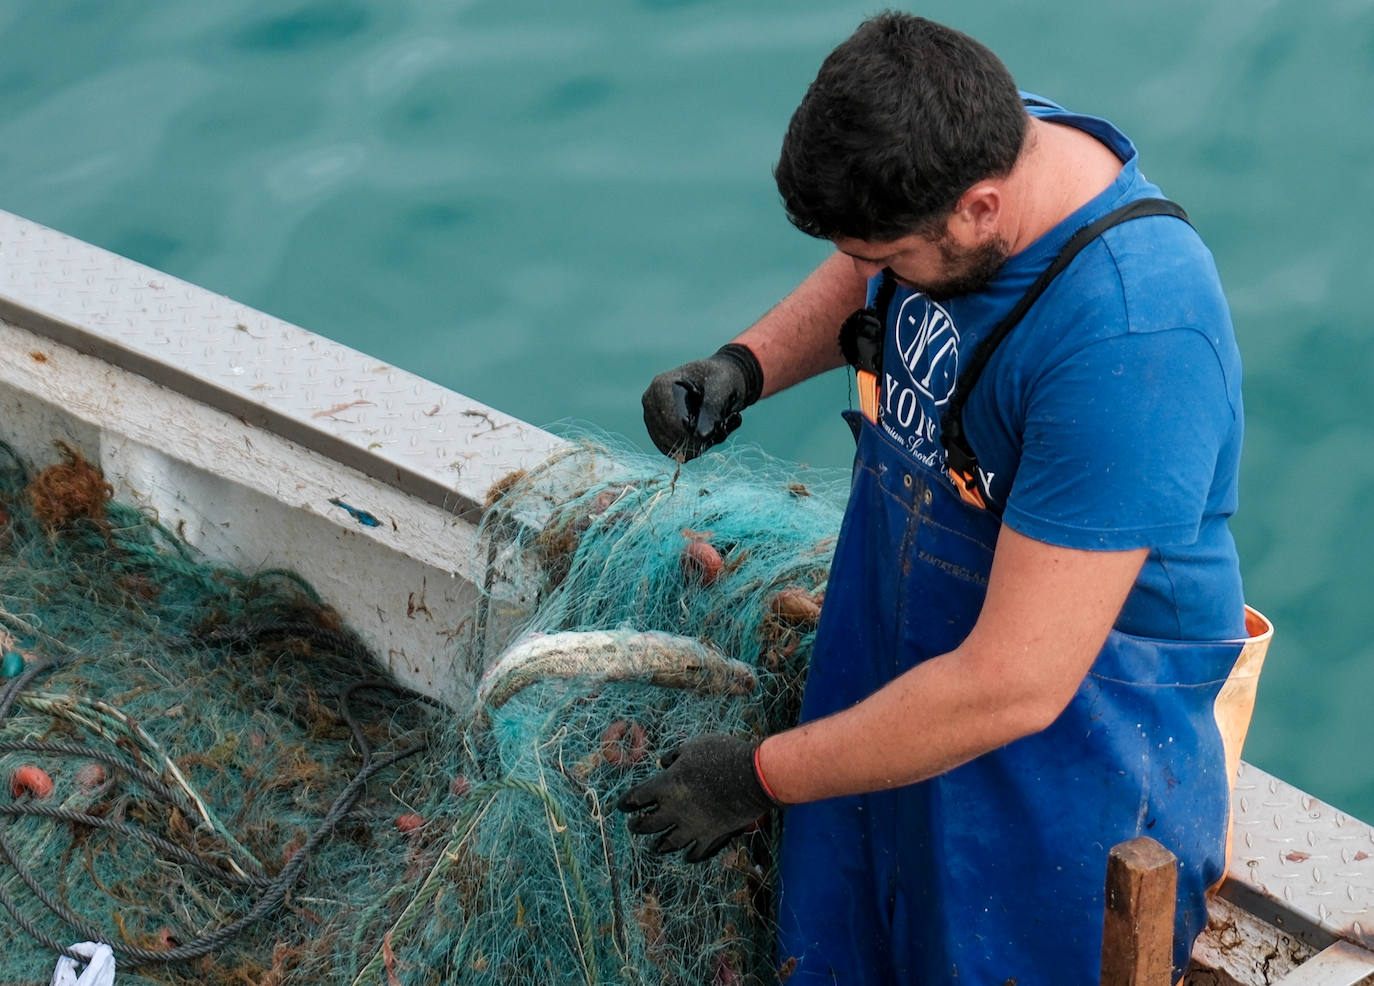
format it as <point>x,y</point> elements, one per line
<point>977,213</point>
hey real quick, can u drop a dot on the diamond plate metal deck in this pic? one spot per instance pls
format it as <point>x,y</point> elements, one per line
<point>392,425</point>
<point>1300,863</point>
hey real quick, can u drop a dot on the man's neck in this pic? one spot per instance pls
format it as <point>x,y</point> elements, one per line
<point>1061,168</point>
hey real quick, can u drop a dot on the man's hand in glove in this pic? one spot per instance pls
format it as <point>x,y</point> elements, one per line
<point>691,408</point>
<point>709,791</point>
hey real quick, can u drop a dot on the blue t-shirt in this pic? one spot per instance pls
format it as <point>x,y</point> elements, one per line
<point>1110,418</point>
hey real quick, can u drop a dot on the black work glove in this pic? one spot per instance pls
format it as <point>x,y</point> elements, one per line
<point>691,408</point>
<point>708,793</point>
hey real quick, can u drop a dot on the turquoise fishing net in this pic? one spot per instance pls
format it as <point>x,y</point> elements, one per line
<point>240,794</point>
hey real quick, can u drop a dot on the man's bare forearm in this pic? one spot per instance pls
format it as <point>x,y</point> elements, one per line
<point>798,337</point>
<point>1048,611</point>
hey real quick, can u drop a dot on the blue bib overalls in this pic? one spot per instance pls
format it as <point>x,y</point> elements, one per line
<point>993,872</point>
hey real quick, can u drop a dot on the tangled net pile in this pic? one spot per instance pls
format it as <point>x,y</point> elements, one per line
<point>209,771</point>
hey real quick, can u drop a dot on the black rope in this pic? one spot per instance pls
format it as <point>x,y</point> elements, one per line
<point>178,853</point>
<point>82,751</point>
<point>274,890</point>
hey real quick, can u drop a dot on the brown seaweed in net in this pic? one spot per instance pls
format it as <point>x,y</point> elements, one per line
<point>69,491</point>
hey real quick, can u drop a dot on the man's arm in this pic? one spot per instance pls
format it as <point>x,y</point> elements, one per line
<point>1046,616</point>
<point>798,337</point>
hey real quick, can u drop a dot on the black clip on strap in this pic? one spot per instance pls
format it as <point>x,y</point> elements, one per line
<point>861,335</point>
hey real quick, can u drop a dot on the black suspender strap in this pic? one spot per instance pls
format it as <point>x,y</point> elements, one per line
<point>960,459</point>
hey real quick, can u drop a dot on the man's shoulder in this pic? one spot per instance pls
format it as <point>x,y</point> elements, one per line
<point>1143,275</point>
<point>1166,276</point>
<point>1134,283</point>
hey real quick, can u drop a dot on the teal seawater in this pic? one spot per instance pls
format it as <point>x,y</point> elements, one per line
<point>543,204</point>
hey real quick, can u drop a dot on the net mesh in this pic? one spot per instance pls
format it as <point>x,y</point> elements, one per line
<point>208,770</point>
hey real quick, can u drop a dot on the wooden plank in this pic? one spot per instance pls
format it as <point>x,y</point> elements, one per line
<point>1138,921</point>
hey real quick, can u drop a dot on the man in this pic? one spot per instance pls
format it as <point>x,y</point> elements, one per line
<point>1035,601</point>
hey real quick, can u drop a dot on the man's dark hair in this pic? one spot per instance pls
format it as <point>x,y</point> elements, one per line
<point>902,119</point>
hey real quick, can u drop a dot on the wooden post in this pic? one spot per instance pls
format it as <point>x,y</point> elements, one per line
<point>1138,924</point>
